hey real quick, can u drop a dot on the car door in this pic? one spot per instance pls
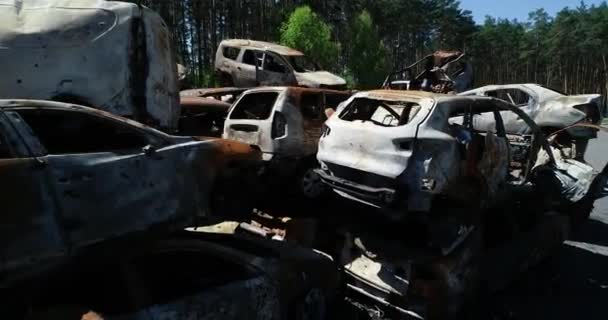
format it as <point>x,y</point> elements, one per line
<point>251,120</point>
<point>275,71</point>
<point>109,178</point>
<point>246,71</point>
<point>29,229</point>
<point>526,101</point>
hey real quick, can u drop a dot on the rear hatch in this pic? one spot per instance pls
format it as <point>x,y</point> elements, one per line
<point>373,134</point>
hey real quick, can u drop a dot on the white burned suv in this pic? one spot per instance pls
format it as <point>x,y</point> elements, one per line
<point>285,123</point>
<point>406,149</point>
<point>566,117</point>
<point>248,63</point>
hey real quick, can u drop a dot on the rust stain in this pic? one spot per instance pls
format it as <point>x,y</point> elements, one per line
<point>230,151</point>
<point>204,104</point>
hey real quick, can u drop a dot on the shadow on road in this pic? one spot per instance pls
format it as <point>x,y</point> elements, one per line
<point>593,232</point>
<point>573,285</point>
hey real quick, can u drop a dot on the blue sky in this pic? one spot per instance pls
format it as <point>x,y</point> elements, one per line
<point>516,9</point>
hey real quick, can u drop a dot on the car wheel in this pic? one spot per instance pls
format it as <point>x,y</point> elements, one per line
<point>311,185</point>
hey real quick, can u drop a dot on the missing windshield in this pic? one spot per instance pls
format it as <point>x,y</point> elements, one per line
<point>302,64</point>
<point>380,112</point>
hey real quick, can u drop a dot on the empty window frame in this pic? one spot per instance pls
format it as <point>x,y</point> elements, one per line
<point>255,106</point>
<point>515,96</point>
<point>5,149</point>
<point>273,64</point>
<point>72,132</point>
<point>231,53</point>
<point>252,57</point>
<point>310,105</point>
<point>384,113</point>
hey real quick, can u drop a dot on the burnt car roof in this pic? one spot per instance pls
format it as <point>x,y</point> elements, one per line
<point>254,44</point>
<point>453,101</point>
<point>203,92</point>
<point>298,90</point>
<point>8,104</point>
<point>202,103</point>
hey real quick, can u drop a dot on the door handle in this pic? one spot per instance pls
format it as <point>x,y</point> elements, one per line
<point>244,127</point>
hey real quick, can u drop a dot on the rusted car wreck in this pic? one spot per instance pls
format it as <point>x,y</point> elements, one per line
<point>188,275</point>
<point>440,72</point>
<point>203,111</point>
<point>441,199</point>
<point>73,176</point>
<point>449,182</point>
<point>286,123</point>
<point>250,63</point>
<point>556,113</point>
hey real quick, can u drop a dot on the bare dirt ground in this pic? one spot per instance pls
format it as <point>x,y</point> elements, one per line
<point>574,285</point>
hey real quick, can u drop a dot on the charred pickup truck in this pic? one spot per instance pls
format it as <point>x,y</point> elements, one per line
<point>110,55</point>
<point>286,123</point>
<point>249,63</point>
<point>73,176</point>
<point>555,112</point>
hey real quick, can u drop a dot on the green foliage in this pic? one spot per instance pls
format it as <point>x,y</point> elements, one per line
<point>307,32</point>
<point>367,56</point>
<point>567,52</point>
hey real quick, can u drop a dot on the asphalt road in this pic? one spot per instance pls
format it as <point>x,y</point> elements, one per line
<point>574,285</point>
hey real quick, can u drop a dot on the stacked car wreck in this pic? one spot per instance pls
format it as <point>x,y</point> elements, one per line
<point>294,200</point>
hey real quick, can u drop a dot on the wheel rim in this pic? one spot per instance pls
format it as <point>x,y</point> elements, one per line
<point>311,184</point>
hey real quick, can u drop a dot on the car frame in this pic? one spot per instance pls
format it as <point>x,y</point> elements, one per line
<point>250,63</point>
<point>553,111</point>
<point>192,274</point>
<point>73,176</point>
<point>286,126</point>
<point>391,165</point>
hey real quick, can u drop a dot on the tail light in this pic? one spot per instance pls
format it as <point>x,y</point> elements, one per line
<point>279,125</point>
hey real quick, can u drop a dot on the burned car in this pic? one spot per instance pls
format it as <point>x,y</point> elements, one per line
<point>464,217</point>
<point>440,72</point>
<point>203,111</point>
<point>406,149</point>
<point>73,176</point>
<point>202,116</point>
<point>189,275</point>
<point>286,123</point>
<point>59,50</point>
<point>249,63</point>
<point>551,110</point>
<point>227,94</point>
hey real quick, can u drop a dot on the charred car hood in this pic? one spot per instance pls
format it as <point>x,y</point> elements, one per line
<point>318,79</point>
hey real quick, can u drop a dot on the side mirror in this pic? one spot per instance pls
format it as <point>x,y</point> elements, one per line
<point>149,150</point>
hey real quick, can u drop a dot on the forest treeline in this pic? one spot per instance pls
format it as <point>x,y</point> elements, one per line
<point>370,37</point>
